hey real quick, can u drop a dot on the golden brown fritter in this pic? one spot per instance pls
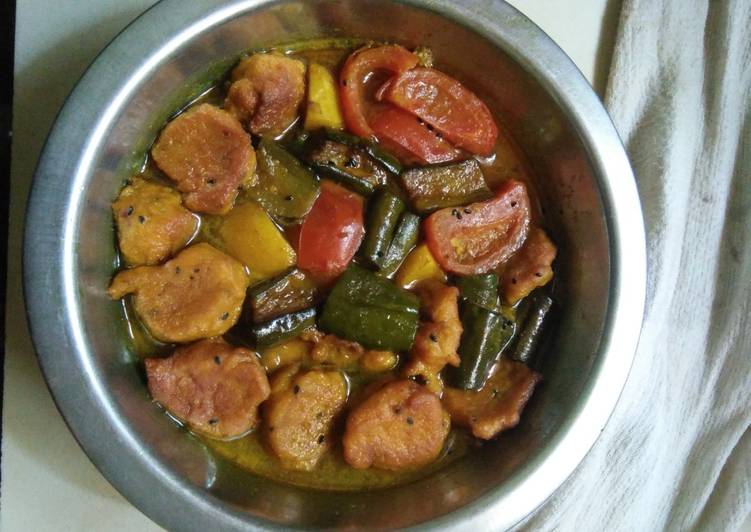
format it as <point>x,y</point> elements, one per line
<point>438,338</point>
<point>529,268</point>
<point>211,386</point>
<point>329,349</point>
<point>498,405</point>
<point>300,414</point>
<point>152,224</point>
<point>378,361</point>
<point>209,155</point>
<point>198,294</point>
<point>332,350</point>
<point>266,92</point>
<point>400,426</point>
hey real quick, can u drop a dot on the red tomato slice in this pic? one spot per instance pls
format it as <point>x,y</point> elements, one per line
<point>448,106</point>
<point>477,238</point>
<point>357,70</point>
<point>410,139</point>
<point>331,232</point>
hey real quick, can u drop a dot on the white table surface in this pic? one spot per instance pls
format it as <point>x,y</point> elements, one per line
<point>47,481</point>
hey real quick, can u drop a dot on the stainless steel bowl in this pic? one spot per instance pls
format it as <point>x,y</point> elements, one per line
<point>170,53</point>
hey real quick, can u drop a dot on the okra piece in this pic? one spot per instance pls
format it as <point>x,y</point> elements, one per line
<point>351,166</point>
<point>287,293</point>
<point>366,308</point>
<point>285,188</point>
<point>434,187</point>
<point>481,290</point>
<point>485,335</point>
<point>298,143</point>
<point>389,162</point>
<point>530,334</point>
<point>383,216</point>
<point>284,327</point>
<point>405,238</point>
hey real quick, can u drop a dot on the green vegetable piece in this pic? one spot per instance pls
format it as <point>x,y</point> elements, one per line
<point>481,290</point>
<point>383,216</point>
<point>390,162</point>
<point>351,166</point>
<point>405,238</point>
<point>371,310</point>
<point>434,187</point>
<point>485,336</point>
<point>342,137</point>
<point>284,327</point>
<point>529,336</point>
<point>285,188</point>
<point>297,143</point>
<point>290,292</point>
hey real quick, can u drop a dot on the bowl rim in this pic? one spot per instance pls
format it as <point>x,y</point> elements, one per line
<point>52,223</point>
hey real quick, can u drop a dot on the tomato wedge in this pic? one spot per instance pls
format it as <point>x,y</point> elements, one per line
<point>356,72</point>
<point>410,139</point>
<point>331,232</point>
<point>477,238</point>
<point>444,103</point>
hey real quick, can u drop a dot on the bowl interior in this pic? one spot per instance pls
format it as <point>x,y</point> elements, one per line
<point>566,182</point>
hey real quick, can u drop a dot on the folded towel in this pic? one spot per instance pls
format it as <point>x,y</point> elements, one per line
<point>676,454</point>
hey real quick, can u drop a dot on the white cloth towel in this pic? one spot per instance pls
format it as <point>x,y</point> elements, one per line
<point>676,454</point>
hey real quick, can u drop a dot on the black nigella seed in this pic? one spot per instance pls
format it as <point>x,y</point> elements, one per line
<point>211,181</point>
<point>433,337</point>
<point>467,211</point>
<point>538,274</point>
<point>410,421</point>
<point>225,316</point>
<point>213,421</point>
<point>141,219</point>
<point>321,438</point>
<point>217,360</point>
<point>196,270</point>
<point>288,198</point>
<point>350,163</point>
<point>296,389</point>
<point>130,211</point>
<point>513,204</point>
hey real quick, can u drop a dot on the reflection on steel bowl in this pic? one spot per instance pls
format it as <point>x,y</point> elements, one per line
<point>400,177</point>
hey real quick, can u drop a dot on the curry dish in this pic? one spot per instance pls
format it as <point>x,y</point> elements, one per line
<point>334,267</point>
